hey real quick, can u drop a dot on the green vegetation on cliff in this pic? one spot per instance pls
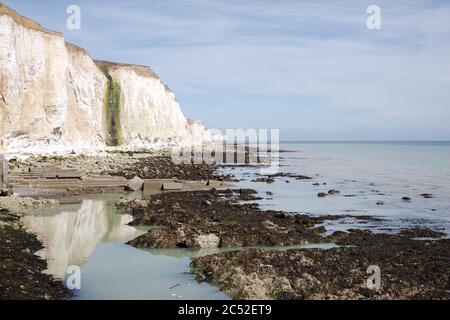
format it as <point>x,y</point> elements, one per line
<point>112,109</point>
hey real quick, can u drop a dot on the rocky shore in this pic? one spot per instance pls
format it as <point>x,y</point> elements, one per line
<point>218,219</point>
<point>410,268</point>
<point>21,270</point>
<point>414,264</point>
<point>206,219</point>
<point>154,164</point>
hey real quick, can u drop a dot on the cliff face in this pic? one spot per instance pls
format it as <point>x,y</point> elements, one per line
<point>85,125</point>
<point>33,65</point>
<point>55,98</point>
<point>148,112</point>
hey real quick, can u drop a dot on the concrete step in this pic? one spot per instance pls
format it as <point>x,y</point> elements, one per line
<point>98,182</point>
<point>48,173</point>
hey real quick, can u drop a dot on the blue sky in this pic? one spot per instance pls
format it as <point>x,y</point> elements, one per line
<point>309,68</point>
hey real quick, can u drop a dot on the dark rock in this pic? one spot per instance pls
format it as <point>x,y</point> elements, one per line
<point>21,275</point>
<point>237,224</point>
<point>290,175</point>
<point>416,270</point>
<point>422,233</point>
<point>247,191</point>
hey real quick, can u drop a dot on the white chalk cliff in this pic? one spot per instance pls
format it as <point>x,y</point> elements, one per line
<point>55,98</point>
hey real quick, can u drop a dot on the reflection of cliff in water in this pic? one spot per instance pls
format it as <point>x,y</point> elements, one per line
<point>71,234</point>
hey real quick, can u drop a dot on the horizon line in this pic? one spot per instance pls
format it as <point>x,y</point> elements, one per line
<point>363,141</point>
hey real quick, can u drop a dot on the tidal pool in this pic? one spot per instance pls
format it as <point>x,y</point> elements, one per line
<point>91,234</point>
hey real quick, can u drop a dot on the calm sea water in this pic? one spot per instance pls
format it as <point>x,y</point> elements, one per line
<point>367,173</point>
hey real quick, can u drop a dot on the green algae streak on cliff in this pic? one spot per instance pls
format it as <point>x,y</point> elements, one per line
<point>112,109</point>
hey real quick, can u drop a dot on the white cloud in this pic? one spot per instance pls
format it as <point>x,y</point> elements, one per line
<point>292,49</point>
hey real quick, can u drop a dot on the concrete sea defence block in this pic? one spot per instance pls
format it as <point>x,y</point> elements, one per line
<point>50,173</point>
<point>68,174</point>
<point>215,183</point>
<point>105,181</point>
<point>194,185</point>
<point>152,185</point>
<point>135,184</point>
<point>172,186</point>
